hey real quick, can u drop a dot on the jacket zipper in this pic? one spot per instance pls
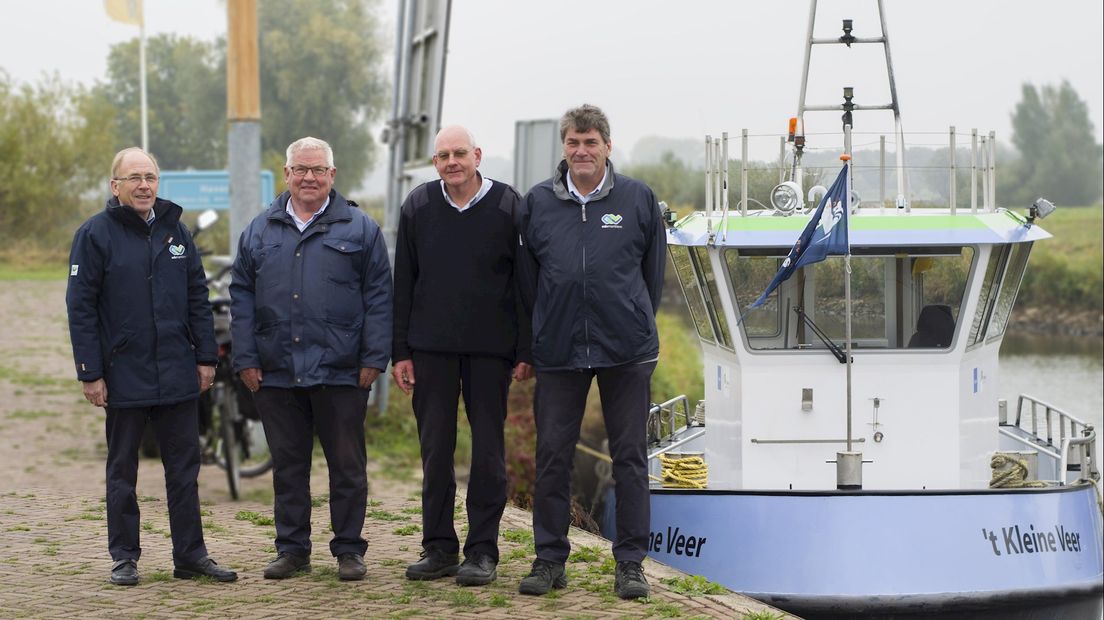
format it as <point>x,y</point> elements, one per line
<point>586,318</point>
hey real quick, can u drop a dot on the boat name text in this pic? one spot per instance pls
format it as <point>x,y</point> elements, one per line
<point>676,543</point>
<point>1015,540</point>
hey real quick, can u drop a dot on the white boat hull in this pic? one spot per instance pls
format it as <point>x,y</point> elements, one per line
<point>886,551</point>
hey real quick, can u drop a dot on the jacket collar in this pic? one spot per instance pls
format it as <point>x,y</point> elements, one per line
<point>339,210</point>
<point>166,213</point>
<point>559,182</point>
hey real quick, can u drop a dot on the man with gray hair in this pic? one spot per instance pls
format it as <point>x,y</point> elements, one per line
<point>311,326</point>
<point>458,331</point>
<point>591,275</point>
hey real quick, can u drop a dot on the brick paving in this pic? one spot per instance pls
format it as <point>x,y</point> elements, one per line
<point>53,556</point>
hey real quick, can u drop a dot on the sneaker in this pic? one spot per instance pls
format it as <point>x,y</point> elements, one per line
<point>350,567</point>
<point>477,570</point>
<point>544,576</point>
<point>629,581</point>
<point>433,565</point>
<point>287,565</point>
<point>204,568</point>
<point>124,573</point>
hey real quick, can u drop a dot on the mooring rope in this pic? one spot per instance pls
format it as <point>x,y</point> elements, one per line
<point>1010,473</point>
<point>684,472</point>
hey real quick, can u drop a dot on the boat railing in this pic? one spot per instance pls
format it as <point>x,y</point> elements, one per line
<point>1074,446</point>
<point>664,434</point>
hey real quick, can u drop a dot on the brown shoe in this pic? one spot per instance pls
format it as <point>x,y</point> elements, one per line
<point>350,567</point>
<point>287,565</point>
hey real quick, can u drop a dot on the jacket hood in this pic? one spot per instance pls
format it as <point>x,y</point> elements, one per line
<point>559,182</point>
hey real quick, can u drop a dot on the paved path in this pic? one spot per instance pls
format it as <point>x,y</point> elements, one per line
<point>53,559</point>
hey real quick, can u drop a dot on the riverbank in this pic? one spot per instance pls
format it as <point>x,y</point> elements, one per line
<point>1043,321</point>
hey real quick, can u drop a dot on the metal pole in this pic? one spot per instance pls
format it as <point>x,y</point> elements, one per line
<point>243,111</point>
<point>984,174</point>
<point>847,280</point>
<point>881,168</point>
<point>404,25</point>
<point>709,176</point>
<point>805,70</point>
<point>744,167</point>
<point>782,159</point>
<point>954,176</point>
<point>717,174</point>
<point>992,170</point>
<point>973,170</point>
<point>142,81</point>
<point>724,185</point>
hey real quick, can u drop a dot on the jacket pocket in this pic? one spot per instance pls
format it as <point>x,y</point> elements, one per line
<point>273,347</point>
<point>342,343</point>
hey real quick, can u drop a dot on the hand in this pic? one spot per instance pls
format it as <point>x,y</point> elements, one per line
<point>403,372</point>
<point>206,376</point>
<point>96,392</point>
<point>523,372</point>
<point>251,377</point>
<point>367,377</point>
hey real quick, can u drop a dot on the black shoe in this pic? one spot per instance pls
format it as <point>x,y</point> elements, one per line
<point>350,567</point>
<point>433,565</point>
<point>629,581</point>
<point>124,573</point>
<point>544,576</point>
<point>204,568</point>
<point>477,570</point>
<point>287,565</point>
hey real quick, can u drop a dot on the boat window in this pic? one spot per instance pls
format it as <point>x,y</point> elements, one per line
<point>691,290</point>
<point>997,258</point>
<point>750,276</point>
<point>1010,285</point>
<point>712,297</point>
<point>901,297</point>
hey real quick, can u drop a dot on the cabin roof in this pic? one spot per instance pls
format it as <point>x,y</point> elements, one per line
<point>869,228</point>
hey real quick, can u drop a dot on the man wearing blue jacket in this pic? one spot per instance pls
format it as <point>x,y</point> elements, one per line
<point>144,346</point>
<point>311,307</point>
<point>591,274</point>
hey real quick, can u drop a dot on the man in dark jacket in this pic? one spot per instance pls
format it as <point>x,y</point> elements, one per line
<point>311,308</point>
<point>591,274</point>
<point>457,332</point>
<point>144,346</point>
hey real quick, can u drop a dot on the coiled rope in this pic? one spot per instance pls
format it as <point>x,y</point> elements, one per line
<point>1010,473</point>
<point>683,472</point>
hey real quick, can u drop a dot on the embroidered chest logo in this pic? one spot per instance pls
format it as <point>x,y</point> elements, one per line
<point>611,220</point>
<point>177,251</point>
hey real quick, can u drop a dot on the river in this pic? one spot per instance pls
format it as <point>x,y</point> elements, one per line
<point>1064,371</point>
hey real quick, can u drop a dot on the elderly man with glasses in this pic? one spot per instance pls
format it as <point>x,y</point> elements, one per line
<point>311,308</point>
<point>144,347</point>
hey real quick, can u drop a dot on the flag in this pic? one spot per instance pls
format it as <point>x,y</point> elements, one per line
<point>126,11</point>
<point>825,234</point>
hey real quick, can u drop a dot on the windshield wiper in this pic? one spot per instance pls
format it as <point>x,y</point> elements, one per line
<point>832,346</point>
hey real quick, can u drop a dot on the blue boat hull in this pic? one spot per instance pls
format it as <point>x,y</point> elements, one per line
<point>886,552</point>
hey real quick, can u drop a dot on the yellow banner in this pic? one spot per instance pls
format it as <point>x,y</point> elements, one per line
<point>126,11</point>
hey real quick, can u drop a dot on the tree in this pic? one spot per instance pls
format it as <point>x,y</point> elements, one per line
<point>56,142</point>
<point>320,76</point>
<point>1060,158</point>
<point>186,86</point>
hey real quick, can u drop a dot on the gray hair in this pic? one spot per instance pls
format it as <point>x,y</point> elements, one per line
<point>467,133</point>
<point>118,161</point>
<point>310,144</point>
<point>584,118</point>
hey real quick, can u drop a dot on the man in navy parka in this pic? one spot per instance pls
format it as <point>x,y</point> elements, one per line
<point>144,346</point>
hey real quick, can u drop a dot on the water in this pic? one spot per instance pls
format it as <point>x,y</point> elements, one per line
<point>1064,371</point>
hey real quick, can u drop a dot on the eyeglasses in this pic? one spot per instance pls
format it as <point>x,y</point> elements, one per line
<point>457,154</point>
<point>301,171</point>
<point>136,179</point>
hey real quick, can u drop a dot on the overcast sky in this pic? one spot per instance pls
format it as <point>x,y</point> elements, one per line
<point>676,69</point>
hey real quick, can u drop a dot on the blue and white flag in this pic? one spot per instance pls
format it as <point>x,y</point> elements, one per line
<point>825,234</point>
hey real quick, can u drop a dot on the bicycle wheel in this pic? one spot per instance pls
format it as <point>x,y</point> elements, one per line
<point>255,456</point>
<point>229,456</point>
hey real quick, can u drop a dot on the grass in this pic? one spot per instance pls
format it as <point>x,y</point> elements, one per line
<point>33,272</point>
<point>254,517</point>
<point>407,530</point>
<point>383,515</point>
<point>693,585</point>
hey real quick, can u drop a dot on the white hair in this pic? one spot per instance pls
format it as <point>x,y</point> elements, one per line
<point>310,144</point>
<point>467,132</point>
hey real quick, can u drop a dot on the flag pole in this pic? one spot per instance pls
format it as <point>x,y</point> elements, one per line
<point>142,79</point>
<point>847,275</point>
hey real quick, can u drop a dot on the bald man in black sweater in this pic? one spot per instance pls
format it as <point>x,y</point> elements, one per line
<point>459,329</point>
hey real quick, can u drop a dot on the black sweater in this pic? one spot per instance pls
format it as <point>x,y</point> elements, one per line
<point>454,276</point>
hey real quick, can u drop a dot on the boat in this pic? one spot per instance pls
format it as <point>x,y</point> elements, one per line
<point>851,456</point>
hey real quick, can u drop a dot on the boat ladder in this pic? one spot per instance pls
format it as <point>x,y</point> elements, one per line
<point>1073,449</point>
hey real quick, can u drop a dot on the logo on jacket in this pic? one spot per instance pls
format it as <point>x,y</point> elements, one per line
<point>611,220</point>
<point>177,250</point>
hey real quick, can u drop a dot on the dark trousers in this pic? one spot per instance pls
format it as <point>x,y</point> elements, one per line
<point>291,417</point>
<point>558,408</point>
<point>484,381</point>
<point>177,430</point>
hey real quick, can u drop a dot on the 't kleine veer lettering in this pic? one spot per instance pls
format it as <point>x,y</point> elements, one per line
<point>1015,541</point>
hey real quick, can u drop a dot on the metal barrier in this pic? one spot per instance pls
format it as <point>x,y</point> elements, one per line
<point>1073,433</point>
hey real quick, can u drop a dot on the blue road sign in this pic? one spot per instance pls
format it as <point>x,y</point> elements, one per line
<point>198,190</point>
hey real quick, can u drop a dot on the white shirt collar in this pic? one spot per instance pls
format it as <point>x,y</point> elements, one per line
<point>483,189</point>
<point>575,191</point>
<point>300,224</point>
